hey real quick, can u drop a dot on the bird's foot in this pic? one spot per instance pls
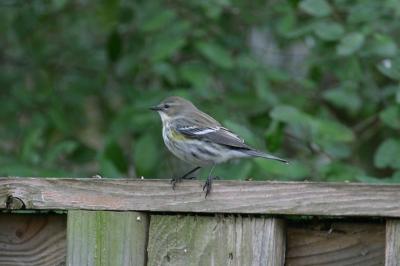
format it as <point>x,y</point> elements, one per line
<point>175,180</point>
<point>208,184</point>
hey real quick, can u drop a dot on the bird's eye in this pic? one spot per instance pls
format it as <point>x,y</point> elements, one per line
<point>166,106</point>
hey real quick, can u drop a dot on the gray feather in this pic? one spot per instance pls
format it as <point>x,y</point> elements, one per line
<point>214,134</point>
<point>205,129</point>
<point>265,155</point>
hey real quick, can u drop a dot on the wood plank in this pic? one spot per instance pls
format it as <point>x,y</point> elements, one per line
<point>32,239</point>
<point>392,242</point>
<point>215,240</point>
<point>295,198</point>
<point>106,238</point>
<point>335,243</point>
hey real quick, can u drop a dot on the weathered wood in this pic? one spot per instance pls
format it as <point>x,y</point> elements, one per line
<point>276,242</point>
<point>215,240</point>
<point>337,243</point>
<point>333,199</point>
<point>106,238</point>
<point>392,242</point>
<point>32,239</point>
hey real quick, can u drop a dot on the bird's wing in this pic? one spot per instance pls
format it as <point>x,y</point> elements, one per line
<point>213,133</point>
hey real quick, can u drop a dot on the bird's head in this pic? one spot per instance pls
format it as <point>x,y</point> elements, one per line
<point>172,107</point>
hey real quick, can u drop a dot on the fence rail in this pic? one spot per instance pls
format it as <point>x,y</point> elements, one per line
<point>246,197</point>
<point>145,222</point>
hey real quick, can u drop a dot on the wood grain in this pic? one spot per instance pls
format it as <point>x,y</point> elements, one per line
<point>215,240</point>
<point>107,238</point>
<point>335,243</point>
<point>275,242</point>
<point>32,240</point>
<point>294,198</point>
<point>392,242</point>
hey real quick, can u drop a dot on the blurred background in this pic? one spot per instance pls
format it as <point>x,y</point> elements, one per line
<point>313,81</point>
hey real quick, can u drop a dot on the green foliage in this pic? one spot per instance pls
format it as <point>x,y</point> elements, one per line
<point>318,8</point>
<point>313,81</point>
<point>387,154</point>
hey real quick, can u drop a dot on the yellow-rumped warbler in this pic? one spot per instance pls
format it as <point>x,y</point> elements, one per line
<point>199,139</point>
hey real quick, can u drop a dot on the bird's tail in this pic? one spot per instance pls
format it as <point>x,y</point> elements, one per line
<point>264,155</point>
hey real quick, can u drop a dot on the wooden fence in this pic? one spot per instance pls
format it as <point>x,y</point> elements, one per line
<point>49,221</point>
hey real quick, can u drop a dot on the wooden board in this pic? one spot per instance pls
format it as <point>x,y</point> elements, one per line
<point>32,239</point>
<point>215,240</point>
<point>107,238</point>
<point>392,242</point>
<point>335,243</point>
<point>293,198</point>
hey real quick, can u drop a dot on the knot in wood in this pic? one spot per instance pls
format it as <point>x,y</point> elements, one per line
<point>14,203</point>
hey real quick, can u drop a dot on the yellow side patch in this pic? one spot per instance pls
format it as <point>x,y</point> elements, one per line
<point>177,136</point>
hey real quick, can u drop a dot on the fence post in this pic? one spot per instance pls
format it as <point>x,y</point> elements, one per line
<point>392,249</point>
<point>106,238</point>
<point>216,240</point>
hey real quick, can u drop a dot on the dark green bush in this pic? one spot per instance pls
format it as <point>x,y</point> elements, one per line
<point>313,81</point>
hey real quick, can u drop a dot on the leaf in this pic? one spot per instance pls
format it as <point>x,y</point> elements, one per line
<point>108,169</point>
<point>215,53</point>
<point>146,155</point>
<point>158,21</point>
<point>350,43</point>
<point>391,116</point>
<point>58,5</point>
<point>321,128</point>
<point>387,154</point>
<point>343,99</point>
<point>337,150</point>
<point>331,130</point>
<point>390,68</point>
<point>328,30</point>
<point>318,8</point>
<point>166,47</point>
<point>383,45</point>
<point>290,114</point>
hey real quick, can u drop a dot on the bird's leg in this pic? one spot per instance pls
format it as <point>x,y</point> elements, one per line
<point>208,184</point>
<point>175,180</point>
<point>186,176</point>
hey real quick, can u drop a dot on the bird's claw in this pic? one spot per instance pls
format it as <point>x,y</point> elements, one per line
<point>208,184</point>
<point>175,180</point>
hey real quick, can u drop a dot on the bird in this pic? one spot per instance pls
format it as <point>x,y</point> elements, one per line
<point>198,139</point>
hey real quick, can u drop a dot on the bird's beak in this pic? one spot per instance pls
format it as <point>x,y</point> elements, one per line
<point>155,108</point>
